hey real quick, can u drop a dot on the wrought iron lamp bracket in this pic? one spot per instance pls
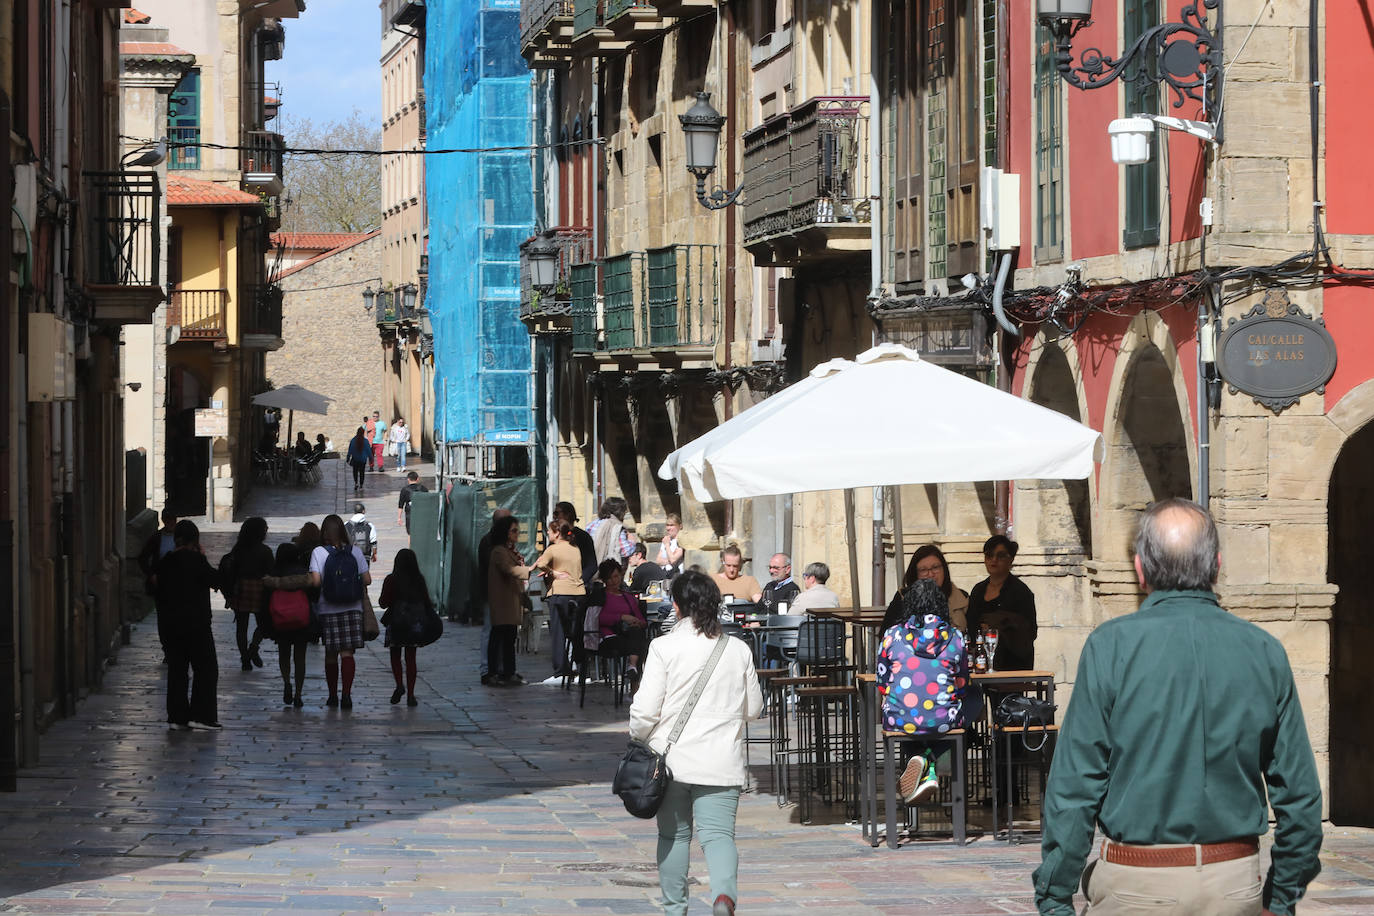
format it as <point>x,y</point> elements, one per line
<point>1185,55</point>
<point>718,198</point>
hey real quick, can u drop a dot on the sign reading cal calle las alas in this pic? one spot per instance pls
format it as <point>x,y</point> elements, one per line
<point>1276,353</point>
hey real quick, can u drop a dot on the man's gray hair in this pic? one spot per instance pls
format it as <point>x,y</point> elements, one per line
<point>1177,545</point>
<point>820,571</point>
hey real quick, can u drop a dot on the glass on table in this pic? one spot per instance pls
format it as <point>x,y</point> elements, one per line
<point>992,648</point>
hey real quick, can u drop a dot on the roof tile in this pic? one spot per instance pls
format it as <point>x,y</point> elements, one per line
<point>192,192</point>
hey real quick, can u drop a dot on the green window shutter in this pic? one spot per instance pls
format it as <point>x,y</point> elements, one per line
<point>183,123</point>
<point>1142,97</point>
<point>1049,151</point>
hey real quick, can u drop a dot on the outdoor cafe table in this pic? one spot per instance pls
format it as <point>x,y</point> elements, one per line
<point>1039,681</point>
<point>865,624</point>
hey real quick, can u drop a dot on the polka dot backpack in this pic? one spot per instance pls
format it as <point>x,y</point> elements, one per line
<point>922,675</point>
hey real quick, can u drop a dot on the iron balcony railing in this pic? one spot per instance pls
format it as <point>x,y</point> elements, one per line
<point>584,308</point>
<point>262,153</point>
<point>574,245</point>
<point>587,15</point>
<point>682,297</point>
<point>263,314</point>
<point>536,16</point>
<point>807,168</point>
<point>616,8</point>
<point>199,313</point>
<point>124,241</point>
<point>183,150</point>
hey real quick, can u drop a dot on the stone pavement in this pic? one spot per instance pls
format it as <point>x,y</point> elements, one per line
<point>479,800</point>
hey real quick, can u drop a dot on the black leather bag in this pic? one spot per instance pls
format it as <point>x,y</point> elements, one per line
<point>413,623</point>
<point>1019,711</point>
<point>642,777</point>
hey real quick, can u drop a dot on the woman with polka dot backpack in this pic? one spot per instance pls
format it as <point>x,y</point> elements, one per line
<point>923,681</point>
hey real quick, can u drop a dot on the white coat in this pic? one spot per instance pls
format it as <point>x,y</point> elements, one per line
<point>710,751</point>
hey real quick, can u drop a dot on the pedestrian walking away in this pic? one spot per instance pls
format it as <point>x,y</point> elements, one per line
<point>362,533</point>
<point>405,598</point>
<point>340,571</point>
<point>562,562</point>
<point>378,437</point>
<point>370,429</point>
<point>290,602</point>
<point>412,486</point>
<point>506,578</point>
<point>1181,714</point>
<point>241,571</point>
<point>359,458</point>
<point>399,437</point>
<point>184,581</point>
<point>159,544</point>
<point>707,761</point>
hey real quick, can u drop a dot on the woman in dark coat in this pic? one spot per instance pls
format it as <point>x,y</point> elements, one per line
<point>1005,603</point>
<point>242,570</point>
<point>359,454</point>
<point>184,580</point>
<point>404,585</point>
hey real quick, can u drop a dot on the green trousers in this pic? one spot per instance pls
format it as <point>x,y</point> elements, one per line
<point>711,809</point>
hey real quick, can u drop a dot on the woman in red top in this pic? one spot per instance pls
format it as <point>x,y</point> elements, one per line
<point>622,615</point>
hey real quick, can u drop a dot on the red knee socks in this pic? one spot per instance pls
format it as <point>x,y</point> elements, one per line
<point>396,665</point>
<point>410,670</point>
<point>347,664</point>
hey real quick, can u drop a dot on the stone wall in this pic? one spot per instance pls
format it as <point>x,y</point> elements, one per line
<point>332,345</point>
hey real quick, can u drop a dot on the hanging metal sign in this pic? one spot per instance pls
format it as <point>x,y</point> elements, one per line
<point>1276,353</point>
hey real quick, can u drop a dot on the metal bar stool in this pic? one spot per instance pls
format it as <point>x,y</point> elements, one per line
<point>827,752</point>
<point>779,741</point>
<point>764,675</point>
<point>958,792</point>
<point>1044,752</point>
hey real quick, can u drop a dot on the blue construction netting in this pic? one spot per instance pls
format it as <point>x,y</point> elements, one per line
<point>481,207</point>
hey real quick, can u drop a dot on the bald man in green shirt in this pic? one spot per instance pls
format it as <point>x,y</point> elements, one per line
<point>1181,716</point>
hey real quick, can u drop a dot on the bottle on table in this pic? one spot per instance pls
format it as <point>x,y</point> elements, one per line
<point>981,663</point>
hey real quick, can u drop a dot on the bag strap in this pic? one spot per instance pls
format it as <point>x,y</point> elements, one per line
<point>697,691</point>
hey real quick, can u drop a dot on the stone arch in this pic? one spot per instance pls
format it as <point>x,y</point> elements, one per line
<point>1056,514</point>
<point>1151,448</point>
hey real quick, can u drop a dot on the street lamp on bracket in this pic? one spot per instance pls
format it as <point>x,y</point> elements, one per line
<point>701,125</point>
<point>369,299</point>
<point>1184,55</point>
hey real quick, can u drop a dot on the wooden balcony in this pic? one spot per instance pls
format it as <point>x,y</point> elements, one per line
<point>548,310</point>
<point>635,19</point>
<point>262,161</point>
<point>546,29</point>
<point>806,183</point>
<point>199,313</point>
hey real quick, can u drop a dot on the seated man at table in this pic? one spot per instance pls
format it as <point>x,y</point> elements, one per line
<point>641,571</point>
<point>815,593</point>
<point>922,678</point>
<point>781,588</point>
<point>731,581</point>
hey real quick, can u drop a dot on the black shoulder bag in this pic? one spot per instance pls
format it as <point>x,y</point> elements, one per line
<point>1025,712</point>
<point>642,777</point>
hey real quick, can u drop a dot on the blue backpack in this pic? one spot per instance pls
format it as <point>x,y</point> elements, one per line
<point>922,676</point>
<point>342,582</point>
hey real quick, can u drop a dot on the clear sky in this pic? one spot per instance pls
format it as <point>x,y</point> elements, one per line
<point>331,62</point>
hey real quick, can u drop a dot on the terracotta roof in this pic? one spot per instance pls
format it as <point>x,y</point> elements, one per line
<point>316,241</point>
<point>152,49</point>
<point>136,17</point>
<point>357,238</point>
<point>192,192</point>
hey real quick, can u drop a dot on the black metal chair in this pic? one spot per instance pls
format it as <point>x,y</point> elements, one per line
<point>608,658</point>
<point>820,650</point>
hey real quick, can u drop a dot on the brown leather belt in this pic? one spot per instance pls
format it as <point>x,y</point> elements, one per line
<point>1177,856</point>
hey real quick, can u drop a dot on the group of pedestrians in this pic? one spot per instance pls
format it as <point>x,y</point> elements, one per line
<point>372,442</point>
<point>312,588</point>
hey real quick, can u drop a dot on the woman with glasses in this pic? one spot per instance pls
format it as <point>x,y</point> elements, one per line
<point>1004,603</point>
<point>928,562</point>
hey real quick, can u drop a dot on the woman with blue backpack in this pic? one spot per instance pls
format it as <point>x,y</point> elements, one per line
<point>339,571</point>
<point>923,682</point>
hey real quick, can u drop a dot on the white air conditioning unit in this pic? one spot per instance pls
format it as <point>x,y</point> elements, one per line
<point>1000,209</point>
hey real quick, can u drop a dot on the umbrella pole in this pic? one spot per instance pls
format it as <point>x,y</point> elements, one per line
<point>290,419</point>
<point>850,529</point>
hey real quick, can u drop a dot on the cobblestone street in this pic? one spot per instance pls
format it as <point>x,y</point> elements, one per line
<point>479,800</point>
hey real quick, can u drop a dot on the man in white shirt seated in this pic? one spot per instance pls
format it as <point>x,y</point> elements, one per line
<point>815,594</point>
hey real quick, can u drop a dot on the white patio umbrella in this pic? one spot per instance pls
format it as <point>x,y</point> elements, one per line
<point>292,398</point>
<point>886,419</point>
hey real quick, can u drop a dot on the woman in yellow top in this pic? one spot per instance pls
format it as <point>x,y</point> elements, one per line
<point>562,561</point>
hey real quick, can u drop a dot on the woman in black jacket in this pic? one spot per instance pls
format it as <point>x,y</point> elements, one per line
<point>241,571</point>
<point>184,580</point>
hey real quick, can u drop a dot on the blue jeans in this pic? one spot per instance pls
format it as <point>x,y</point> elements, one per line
<point>401,448</point>
<point>712,810</point>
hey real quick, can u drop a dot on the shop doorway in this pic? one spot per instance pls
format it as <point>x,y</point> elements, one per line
<point>1350,505</point>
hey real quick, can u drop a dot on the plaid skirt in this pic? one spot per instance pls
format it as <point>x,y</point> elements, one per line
<point>342,631</point>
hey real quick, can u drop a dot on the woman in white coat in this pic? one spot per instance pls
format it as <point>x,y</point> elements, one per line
<point>708,760</point>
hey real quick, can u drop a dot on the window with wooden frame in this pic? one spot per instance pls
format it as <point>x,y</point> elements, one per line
<point>903,121</point>
<point>1142,97</point>
<point>1049,151</point>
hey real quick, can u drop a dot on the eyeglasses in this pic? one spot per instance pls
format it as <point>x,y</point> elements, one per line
<point>928,570</point>
<point>999,555</point>
<point>771,566</point>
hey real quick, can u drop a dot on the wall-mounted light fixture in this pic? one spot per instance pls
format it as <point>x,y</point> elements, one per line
<point>701,125</point>
<point>1185,55</point>
<point>369,299</point>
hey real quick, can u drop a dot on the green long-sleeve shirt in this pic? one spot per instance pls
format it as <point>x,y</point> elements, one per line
<point>1181,714</point>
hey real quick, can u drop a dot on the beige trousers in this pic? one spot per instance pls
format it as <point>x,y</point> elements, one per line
<point>1221,889</point>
